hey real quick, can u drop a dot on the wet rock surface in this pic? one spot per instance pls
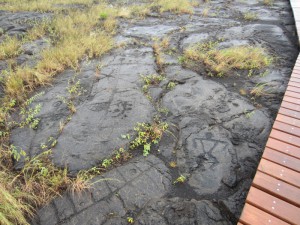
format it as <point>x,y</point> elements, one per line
<point>217,137</point>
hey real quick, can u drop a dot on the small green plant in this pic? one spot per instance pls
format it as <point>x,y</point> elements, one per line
<point>163,110</point>
<point>28,114</point>
<point>182,59</point>
<point>148,134</point>
<point>171,85</point>
<point>172,164</point>
<point>249,114</point>
<point>149,80</point>
<point>17,154</point>
<point>125,136</point>
<point>103,15</point>
<point>51,142</point>
<point>250,16</point>
<point>74,88</point>
<point>106,163</point>
<point>130,220</point>
<point>180,179</point>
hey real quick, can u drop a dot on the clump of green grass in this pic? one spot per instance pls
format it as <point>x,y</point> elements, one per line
<point>222,61</point>
<point>103,15</point>
<point>11,209</point>
<point>250,16</point>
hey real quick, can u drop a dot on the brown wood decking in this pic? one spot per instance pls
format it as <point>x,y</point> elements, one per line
<point>274,197</point>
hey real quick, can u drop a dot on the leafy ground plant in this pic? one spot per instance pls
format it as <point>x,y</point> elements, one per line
<point>150,80</point>
<point>180,179</point>
<point>148,134</point>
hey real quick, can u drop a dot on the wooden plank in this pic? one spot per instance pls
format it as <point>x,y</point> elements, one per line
<point>277,188</point>
<point>294,84</point>
<point>294,107</point>
<point>289,109</point>
<point>288,120</point>
<point>274,206</point>
<point>296,74</point>
<point>296,71</point>
<point>287,128</point>
<point>288,138</point>
<point>282,159</point>
<point>283,147</point>
<point>252,215</point>
<point>294,79</point>
<point>291,99</point>
<point>291,105</point>
<point>292,94</point>
<point>294,89</point>
<point>279,172</point>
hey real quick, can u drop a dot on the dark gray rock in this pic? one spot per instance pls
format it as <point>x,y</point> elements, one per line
<point>178,211</point>
<point>35,47</point>
<point>120,191</point>
<point>14,23</point>
<point>150,31</point>
<point>235,202</point>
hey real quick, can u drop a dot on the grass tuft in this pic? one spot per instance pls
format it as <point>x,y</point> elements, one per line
<point>222,61</point>
<point>250,16</point>
<point>10,48</point>
<point>178,6</point>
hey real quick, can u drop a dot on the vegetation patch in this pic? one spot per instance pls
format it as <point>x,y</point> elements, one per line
<point>147,135</point>
<point>250,16</point>
<point>222,62</point>
<point>151,80</point>
<point>179,6</point>
<point>9,48</point>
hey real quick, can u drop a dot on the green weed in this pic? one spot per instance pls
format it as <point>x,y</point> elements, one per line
<point>180,179</point>
<point>148,134</point>
<point>151,80</point>
<point>130,220</point>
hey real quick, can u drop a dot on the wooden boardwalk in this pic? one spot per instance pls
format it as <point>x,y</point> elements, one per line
<point>274,197</point>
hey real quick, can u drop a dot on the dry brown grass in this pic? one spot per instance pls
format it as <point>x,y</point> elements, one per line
<point>40,5</point>
<point>221,62</point>
<point>10,48</point>
<point>178,6</point>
